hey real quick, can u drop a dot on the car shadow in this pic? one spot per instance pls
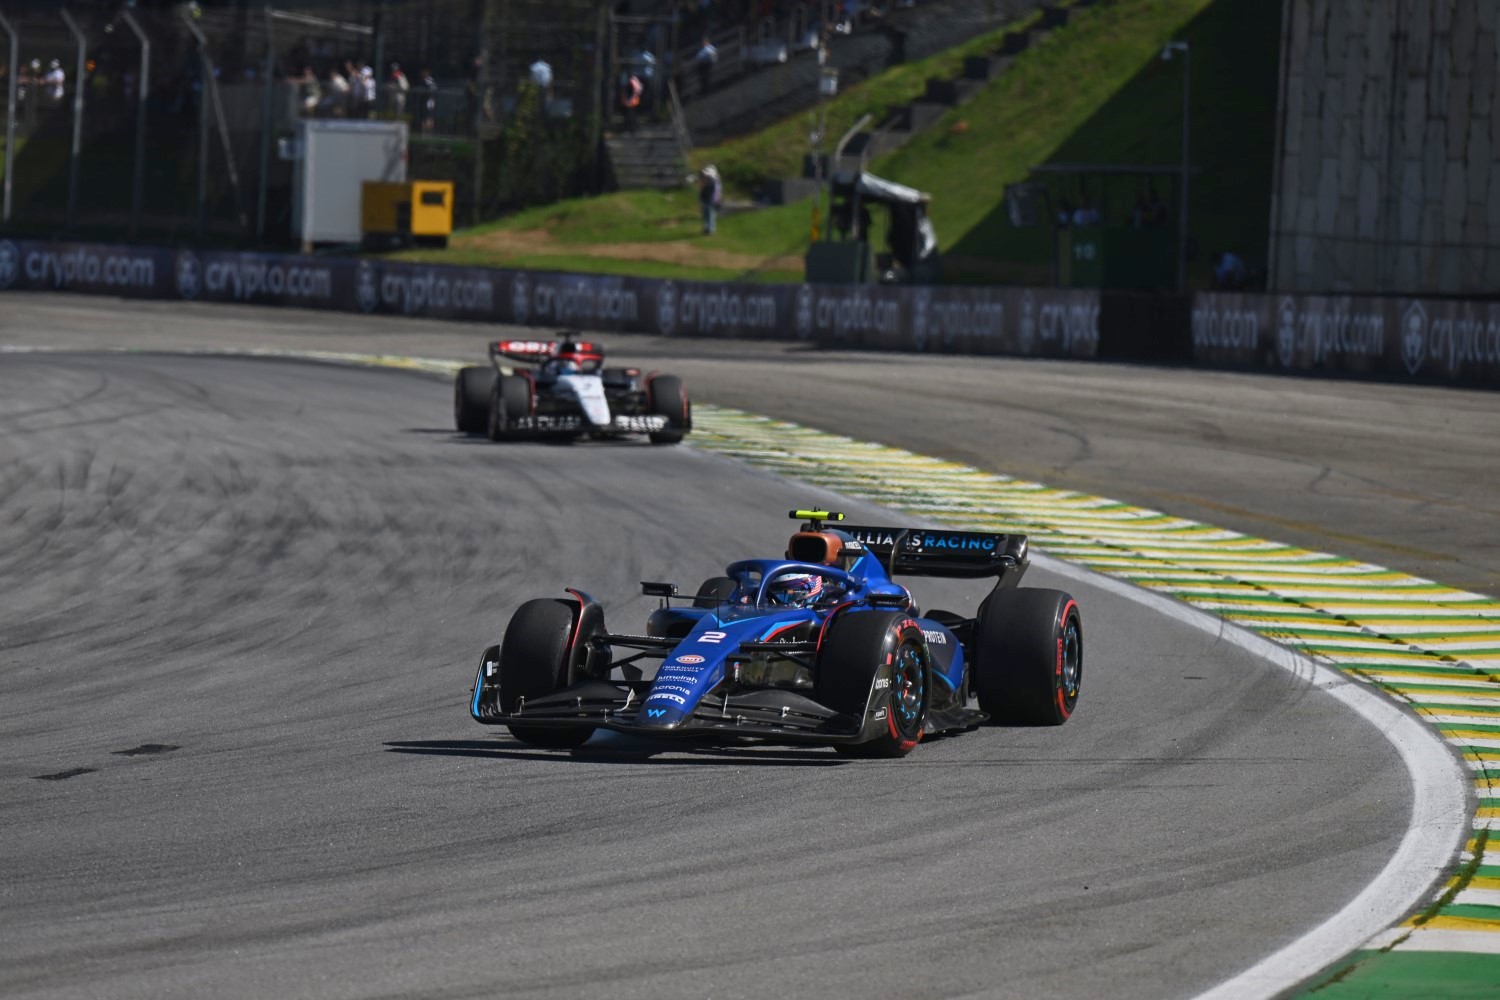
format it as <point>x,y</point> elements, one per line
<point>624,750</point>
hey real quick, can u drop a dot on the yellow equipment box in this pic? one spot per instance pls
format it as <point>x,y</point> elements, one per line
<point>421,211</point>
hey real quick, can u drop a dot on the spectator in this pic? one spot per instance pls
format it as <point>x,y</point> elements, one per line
<point>1064,213</point>
<point>336,101</point>
<point>1229,270</point>
<point>1086,215</point>
<point>56,82</point>
<point>367,90</point>
<point>399,88</point>
<point>541,75</point>
<point>309,93</point>
<point>706,58</point>
<point>429,101</point>
<point>630,99</point>
<point>710,194</point>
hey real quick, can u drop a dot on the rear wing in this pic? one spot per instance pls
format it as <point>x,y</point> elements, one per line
<point>942,552</point>
<point>536,351</point>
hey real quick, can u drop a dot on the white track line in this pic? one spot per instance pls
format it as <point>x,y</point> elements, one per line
<point>1440,818</point>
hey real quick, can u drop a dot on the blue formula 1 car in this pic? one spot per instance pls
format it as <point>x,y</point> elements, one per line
<point>819,647</point>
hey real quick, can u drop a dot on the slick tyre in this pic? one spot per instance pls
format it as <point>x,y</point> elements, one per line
<point>510,400</point>
<point>713,592</point>
<point>471,398</point>
<point>1028,657</point>
<point>669,399</point>
<point>533,662</point>
<point>874,666</point>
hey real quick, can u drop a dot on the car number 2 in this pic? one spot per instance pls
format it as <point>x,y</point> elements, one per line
<point>713,637</point>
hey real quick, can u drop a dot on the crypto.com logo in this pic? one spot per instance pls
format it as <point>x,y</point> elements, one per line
<point>804,312</point>
<point>1414,336</point>
<point>366,287</point>
<point>520,299</point>
<point>10,263</point>
<point>666,308</point>
<point>1286,333</point>
<point>919,306</point>
<point>189,275</point>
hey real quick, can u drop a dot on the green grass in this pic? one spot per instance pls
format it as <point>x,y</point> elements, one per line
<point>581,264</point>
<point>776,151</point>
<point>1095,91</point>
<point>1098,92</point>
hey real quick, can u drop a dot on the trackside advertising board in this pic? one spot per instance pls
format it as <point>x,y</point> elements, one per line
<point>1407,339</point>
<point>1424,340</point>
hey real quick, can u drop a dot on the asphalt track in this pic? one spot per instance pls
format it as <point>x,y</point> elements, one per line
<point>1398,475</point>
<point>284,572</point>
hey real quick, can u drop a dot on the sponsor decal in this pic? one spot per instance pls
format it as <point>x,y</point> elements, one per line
<point>712,637</point>
<point>679,699</point>
<point>188,283</point>
<point>520,299</point>
<point>666,308</point>
<point>881,683</point>
<point>1413,337</point>
<point>1028,321</point>
<point>873,537</point>
<point>804,312</point>
<point>366,290</point>
<point>690,658</point>
<point>549,422</point>
<point>936,638</point>
<point>919,305</point>
<point>1226,328</point>
<point>629,423</point>
<point>707,310</point>
<point>878,714</point>
<point>854,313</point>
<point>414,291</point>
<point>672,687</point>
<point>1286,332</point>
<point>10,264</point>
<point>656,713</point>
<point>89,266</point>
<point>954,543</point>
<point>1070,324</point>
<point>580,301</point>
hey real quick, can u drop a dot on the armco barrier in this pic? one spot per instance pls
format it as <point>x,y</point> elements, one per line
<point>1395,338</point>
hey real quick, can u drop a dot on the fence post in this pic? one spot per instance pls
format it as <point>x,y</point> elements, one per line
<point>77,149</point>
<point>139,191</point>
<point>10,113</point>
<point>205,72</point>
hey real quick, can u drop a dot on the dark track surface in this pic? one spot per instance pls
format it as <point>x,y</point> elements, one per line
<point>287,572</point>
<point>1401,476</point>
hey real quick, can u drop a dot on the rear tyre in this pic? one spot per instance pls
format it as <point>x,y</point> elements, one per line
<point>1028,657</point>
<point>533,663</point>
<point>510,400</point>
<point>669,399</point>
<point>714,591</point>
<point>862,650</point>
<point>471,398</point>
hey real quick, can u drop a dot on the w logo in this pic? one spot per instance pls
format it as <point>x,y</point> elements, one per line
<point>656,713</point>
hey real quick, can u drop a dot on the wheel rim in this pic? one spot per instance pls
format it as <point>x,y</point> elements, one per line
<point>908,689</point>
<point>1072,660</point>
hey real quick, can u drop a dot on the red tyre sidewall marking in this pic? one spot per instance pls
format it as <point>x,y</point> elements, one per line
<point>1059,686</point>
<point>902,742</point>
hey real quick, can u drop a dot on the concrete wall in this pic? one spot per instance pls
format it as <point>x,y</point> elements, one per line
<point>1387,176</point>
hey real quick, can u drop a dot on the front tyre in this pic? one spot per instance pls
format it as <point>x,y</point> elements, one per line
<point>669,399</point>
<point>533,663</point>
<point>875,667</point>
<point>510,400</point>
<point>1028,657</point>
<point>471,398</point>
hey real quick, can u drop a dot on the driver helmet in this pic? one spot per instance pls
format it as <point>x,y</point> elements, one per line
<point>795,591</point>
<point>571,357</point>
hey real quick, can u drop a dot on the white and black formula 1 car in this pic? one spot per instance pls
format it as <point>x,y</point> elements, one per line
<point>565,391</point>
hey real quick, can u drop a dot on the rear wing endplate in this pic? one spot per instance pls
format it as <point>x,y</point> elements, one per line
<point>942,552</point>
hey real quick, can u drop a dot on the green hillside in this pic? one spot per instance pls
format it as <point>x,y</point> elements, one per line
<point>1095,92</point>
